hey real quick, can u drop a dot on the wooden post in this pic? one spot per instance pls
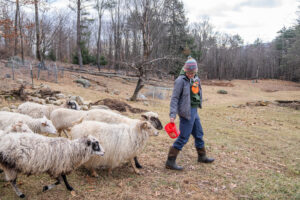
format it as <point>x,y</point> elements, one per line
<point>39,73</point>
<point>49,68</point>
<point>62,71</point>
<point>31,74</point>
<point>13,70</point>
<point>153,92</point>
<point>55,72</point>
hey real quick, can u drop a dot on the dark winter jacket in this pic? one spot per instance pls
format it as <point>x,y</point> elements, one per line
<point>181,99</point>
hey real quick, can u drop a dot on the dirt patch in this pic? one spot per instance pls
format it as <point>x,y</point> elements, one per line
<point>217,83</point>
<point>268,90</point>
<point>276,85</point>
<point>291,104</point>
<point>118,105</point>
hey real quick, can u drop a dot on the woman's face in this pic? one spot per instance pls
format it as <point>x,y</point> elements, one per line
<point>190,75</point>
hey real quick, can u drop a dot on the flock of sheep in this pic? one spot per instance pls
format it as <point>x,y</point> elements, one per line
<point>96,138</point>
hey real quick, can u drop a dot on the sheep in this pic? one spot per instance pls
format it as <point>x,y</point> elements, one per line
<point>18,126</point>
<point>36,110</point>
<point>63,118</point>
<point>122,142</point>
<point>111,117</point>
<point>40,125</point>
<point>152,117</point>
<point>35,154</point>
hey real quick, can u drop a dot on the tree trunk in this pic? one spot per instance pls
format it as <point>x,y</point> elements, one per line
<point>21,37</point>
<point>146,50</point>
<point>257,70</point>
<point>99,41</point>
<point>139,85</point>
<point>16,27</point>
<point>79,35</point>
<point>37,29</point>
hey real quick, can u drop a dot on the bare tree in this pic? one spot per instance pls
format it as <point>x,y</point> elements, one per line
<point>101,5</point>
<point>37,30</point>
<point>16,26</point>
<point>79,33</point>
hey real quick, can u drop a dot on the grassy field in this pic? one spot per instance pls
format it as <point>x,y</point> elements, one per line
<point>257,150</point>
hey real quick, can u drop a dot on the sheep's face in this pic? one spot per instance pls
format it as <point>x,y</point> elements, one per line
<point>147,127</point>
<point>73,105</point>
<point>47,126</point>
<point>93,143</point>
<point>153,119</point>
<point>20,127</point>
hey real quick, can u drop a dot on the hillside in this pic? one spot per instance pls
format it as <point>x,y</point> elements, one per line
<point>256,147</point>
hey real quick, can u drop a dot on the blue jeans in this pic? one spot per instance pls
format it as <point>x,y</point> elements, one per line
<point>188,127</point>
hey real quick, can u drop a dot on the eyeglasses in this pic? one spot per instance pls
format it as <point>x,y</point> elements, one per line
<point>190,73</point>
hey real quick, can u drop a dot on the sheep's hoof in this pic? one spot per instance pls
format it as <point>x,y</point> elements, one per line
<point>139,166</point>
<point>94,174</point>
<point>22,196</point>
<point>73,193</point>
<point>45,188</point>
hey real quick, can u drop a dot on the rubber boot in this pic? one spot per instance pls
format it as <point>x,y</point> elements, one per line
<point>171,162</point>
<point>202,156</point>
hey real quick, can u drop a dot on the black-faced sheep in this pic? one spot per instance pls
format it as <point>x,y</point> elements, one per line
<point>34,154</point>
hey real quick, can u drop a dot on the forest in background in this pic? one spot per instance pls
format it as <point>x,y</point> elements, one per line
<point>144,36</point>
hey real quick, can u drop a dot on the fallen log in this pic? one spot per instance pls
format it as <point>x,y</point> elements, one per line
<point>288,101</point>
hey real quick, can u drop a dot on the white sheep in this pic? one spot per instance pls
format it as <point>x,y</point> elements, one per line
<point>63,118</point>
<point>41,125</point>
<point>36,110</point>
<point>122,142</point>
<point>35,154</point>
<point>18,127</point>
<point>111,117</point>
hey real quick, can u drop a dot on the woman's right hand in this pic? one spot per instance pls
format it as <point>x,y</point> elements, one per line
<point>172,120</point>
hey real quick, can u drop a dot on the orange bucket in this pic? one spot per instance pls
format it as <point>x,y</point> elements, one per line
<point>171,129</point>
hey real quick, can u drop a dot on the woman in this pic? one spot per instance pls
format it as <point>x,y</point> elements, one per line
<point>186,98</point>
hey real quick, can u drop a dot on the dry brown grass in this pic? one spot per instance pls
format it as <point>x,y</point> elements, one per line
<point>256,149</point>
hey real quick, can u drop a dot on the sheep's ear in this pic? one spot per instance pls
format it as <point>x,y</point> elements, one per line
<point>144,125</point>
<point>145,117</point>
<point>88,142</point>
<point>14,128</point>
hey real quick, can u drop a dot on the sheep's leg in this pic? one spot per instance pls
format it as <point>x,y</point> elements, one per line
<point>134,167</point>
<point>110,171</point>
<point>65,133</point>
<point>49,187</point>
<point>94,173</point>
<point>66,183</point>
<point>16,189</point>
<point>137,164</point>
<point>59,132</point>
